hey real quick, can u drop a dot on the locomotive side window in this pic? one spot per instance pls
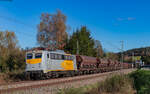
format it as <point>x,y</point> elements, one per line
<point>38,55</point>
<point>59,56</point>
<point>63,57</point>
<point>52,56</point>
<point>29,56</point>
<point>66,57</point>
<point>72,58</point>
<point>55,56</point>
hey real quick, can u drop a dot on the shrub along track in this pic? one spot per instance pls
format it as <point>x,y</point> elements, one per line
<point>53,85</point>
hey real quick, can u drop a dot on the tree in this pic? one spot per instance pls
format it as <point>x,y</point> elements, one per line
<point>81,41</point>
<point>11,57</point>
<point>98,48</point>
<point>112,56</point>
<point>146,60</point>
<point>52,30</point>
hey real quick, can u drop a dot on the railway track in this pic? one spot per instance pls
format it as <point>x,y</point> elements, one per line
<point>53,85</point>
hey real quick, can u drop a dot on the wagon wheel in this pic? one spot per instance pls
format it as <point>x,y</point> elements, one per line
<point>27,76</point>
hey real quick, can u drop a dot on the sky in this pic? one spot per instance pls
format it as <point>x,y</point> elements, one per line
<point>109,21</point>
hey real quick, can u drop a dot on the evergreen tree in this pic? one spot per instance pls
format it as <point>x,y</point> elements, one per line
<point>81,41</point>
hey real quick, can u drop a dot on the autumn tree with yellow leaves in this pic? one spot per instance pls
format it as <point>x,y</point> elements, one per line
<point>11,57</point>
<point>52,30</point>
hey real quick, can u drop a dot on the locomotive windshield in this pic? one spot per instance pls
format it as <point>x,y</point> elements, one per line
<point>29,56</point>
<point>38,55</point>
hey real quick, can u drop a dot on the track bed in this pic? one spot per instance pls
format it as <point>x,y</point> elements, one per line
<point>51,86</point>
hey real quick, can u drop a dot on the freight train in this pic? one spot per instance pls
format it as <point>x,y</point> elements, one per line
<point>44,64</point>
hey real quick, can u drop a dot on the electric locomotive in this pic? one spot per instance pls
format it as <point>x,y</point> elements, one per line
<point>47,64</point>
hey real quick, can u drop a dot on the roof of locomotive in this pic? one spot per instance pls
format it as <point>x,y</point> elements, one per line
<point>58,51</point>
<point>40,51</point>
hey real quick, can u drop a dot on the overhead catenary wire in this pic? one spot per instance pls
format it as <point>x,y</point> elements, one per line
<point>32,27</point>
<point>19,22</point>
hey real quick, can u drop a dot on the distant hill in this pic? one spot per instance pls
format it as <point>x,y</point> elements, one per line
<point>145,51</point>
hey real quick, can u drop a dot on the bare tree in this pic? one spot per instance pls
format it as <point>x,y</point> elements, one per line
<point>98,47</point>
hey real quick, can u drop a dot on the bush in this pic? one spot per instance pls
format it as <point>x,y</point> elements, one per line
<point>141,81</point>
<point>117,84</point>
<point>12,58</point>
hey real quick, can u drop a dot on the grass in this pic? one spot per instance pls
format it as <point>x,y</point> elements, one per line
<point>117,84</point>
<point>16,75</point>
<point>141,81</point>
<point>81,90</point>
<point>138,81</point>
<point>13,76</point>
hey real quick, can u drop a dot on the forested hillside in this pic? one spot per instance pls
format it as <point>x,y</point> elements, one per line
<point>138,52</point>
<point>143,53</point>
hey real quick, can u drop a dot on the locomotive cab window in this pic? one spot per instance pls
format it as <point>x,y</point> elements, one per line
<point>38,55</point>
<point>29,56</point>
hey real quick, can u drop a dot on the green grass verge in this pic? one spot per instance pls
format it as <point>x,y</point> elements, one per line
<point>141,81</point>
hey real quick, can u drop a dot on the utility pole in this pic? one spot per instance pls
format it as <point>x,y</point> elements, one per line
<point>77,47</point>
<point>133,59</point>
<point>122,44</point>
